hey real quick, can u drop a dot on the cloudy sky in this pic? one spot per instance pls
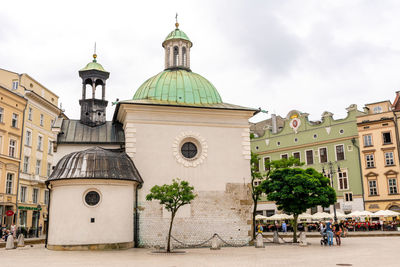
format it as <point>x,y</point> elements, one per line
<point>278,55</point>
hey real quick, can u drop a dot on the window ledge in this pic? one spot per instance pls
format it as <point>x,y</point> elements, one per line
<point>373,195</point>
<point>370,167</point>
<point>16,128</point>
<point>390,165</point>
<point>387,144</point>
<point>394,194</point>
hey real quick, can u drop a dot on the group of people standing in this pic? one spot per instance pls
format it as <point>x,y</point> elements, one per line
<point>332,229</point>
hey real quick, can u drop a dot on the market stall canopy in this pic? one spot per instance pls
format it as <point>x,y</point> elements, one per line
<point>278,217</point>
<point>341,215</point>
<point>322,215</point>
<point>386,213</point>
<point>261,217</point>
<point>364,213</point>
<point>305,216</point>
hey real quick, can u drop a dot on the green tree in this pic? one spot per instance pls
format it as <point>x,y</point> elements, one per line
<point>173,196</point>
<point>295,190</point>
<point>257,176</point>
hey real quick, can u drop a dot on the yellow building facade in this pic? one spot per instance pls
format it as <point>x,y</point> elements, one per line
<point>12,106</point>
<point>379,154</point>
<point>36,160</point>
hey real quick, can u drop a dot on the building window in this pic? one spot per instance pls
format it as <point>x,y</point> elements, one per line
<point>389,158</point>
<point>38,165</point>
<point>309,157</point>
<point>189,150</point>
<point>9,183</point>
<point>377,109</point>
<point>323,155</point>
<point>14,85</point>
<point>373,190</point>
<point>256,166</point>
<point>46,197</point>
<point>368,140</point>
<point>284,156</point>
<point>23,194</point>
<point>35,195</point>
<point>387,139</point>
<point>26,164</point>
<point>184,56</point>
<point>28,138</point>
<point>369,160</point>
<point>30,111</point>
<point>314,210</point>
<point>14,120</point>
<point>1,114</point>
<point>92,198</point>
<point>296,155</point>
<point>176,56</point>
<point>50,147</point>
<point>348,196</point>
<point>41,119</point>
<point>392,186</point>
<point>343,181</point>
<point>40,143</point>
<point>12,148</point>
<point>267,166</point>
<point>339,152</point>
<point>51,123</point>
<point>48,169</point>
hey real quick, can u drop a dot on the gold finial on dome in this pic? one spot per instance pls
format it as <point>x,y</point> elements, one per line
<point>94,54</point>
<point>176,19</point>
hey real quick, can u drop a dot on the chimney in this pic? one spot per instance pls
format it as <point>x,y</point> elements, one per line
<point>274,124</point>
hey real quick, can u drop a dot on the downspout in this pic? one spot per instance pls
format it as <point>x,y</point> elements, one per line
<point>136,218</point>
<point>353,141</point>
<point>19,166</point>
<point>396,127</point>
<point>48,215</point>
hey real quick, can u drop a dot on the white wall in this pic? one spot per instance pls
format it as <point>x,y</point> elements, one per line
<point>70,217</point>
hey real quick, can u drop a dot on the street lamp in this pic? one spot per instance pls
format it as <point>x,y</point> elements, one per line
<point>37,220</point>
<point>331,172</point>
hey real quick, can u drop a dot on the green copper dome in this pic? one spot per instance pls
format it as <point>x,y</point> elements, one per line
<point>178,86</point>
<point>177,34</point>
<point>94,65</point>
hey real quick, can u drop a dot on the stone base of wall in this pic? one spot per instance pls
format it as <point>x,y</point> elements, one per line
<point>109,246</point>
<point>226,213</point>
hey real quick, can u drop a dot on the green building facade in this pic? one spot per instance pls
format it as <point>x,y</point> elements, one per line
<point>316,143</point>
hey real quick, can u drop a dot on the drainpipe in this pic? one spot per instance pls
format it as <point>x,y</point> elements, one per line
<point>353,141</point>
<point>19,166</point>
<point>48,215</point>
<point>396,127</point>
<point>136,219</point>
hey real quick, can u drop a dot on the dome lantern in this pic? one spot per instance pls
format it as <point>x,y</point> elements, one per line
<point>177,49</point>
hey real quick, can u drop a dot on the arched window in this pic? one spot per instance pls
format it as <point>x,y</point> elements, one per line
<point>176,56</point>
<point>184,56</point>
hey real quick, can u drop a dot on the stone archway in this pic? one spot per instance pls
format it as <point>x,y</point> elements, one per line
<point>394,207</point>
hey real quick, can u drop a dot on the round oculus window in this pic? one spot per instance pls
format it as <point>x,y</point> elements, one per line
<point>92,198</point>
<point>189,150</point>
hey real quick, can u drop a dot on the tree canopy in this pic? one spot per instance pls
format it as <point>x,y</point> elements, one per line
<point>172,196</point>
<point>294,190</point>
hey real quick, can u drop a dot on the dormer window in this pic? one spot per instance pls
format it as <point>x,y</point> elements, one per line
<point>378,109</point>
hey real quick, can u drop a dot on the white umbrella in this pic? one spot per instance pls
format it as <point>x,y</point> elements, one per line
<point>305,216</point>
<point>278,217</point>
<point>386,213</point>
<point>261,217</point>
<point>321,216</point>
<point>341,215</point>
<point>364,213</point>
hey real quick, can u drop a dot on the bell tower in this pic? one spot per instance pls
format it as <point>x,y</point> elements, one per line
<point>93,109</point>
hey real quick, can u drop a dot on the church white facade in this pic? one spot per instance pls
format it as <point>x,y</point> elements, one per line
<point>176,126</point>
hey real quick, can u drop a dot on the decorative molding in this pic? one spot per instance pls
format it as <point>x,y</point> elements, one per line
<point>246,144</point>
<point>202,148</point>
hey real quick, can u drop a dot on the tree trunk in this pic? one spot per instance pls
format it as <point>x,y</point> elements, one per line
<point>169,232</point>
<point>295,216</point>
<point>254,217</point>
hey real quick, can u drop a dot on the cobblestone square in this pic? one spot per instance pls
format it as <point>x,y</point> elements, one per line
<point>357,251</point>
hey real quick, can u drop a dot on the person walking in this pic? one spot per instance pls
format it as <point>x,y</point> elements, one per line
<point>329,232</point>
<point>338,231</point>
<point>284,227</point>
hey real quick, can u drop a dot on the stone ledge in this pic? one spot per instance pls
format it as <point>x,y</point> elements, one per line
<point>108,246</point>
